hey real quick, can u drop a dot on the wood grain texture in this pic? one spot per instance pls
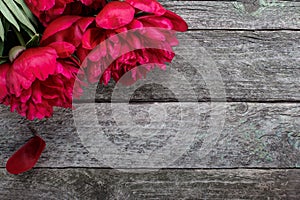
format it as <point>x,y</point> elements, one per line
<point>235,51</point>
<point>163,184</point>
<point>243,14</point>
<point>221,66</point>
<point>254,135</point>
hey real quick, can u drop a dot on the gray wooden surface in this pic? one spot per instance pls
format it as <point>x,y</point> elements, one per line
<point>223,120</point>
<point>164,184</point>
<point>253,66</point>
<point>242,14</point>
<point>254,135</point>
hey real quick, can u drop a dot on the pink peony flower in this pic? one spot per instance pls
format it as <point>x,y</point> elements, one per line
<point>39,79</point>
<point>48,10</point>
<point>121,17</point>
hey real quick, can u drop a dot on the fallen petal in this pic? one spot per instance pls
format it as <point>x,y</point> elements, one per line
<point>26,157</point>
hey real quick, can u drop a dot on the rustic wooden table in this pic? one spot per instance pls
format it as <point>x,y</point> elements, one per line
<point>223,123</point>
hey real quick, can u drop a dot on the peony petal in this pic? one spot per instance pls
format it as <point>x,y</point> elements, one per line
<point>82,53</point>
<point>39,111</point>
<point>96,4</point>
<point>178,23</point>
<point>87,2</point>
<point>150,6</point>
<point>72,34</point>
<point>37,93</point>
<point>26,95</point>
<point>92,37</point>
<point>36,63</point>
<point>48,16</point>
<point>3,82</point>
<point>67,69</point>
<point>135,24</point>
<point>64,1</point>
<point>98,53</point>
<point>106,77</point>
<point>32,64</point>
<point>41,5</point>
<point>59,24</point>
<point>169,21</point>
<point>78,30</point>
<point>63,49</point>
<point>93,72</point>
<point>84,23</point>
<point>16,83</point>
<point>115,15</point>
<point>26,157</point>
<point>156,21</point>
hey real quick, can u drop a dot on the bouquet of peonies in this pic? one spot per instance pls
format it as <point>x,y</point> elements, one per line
<point>51,49</point>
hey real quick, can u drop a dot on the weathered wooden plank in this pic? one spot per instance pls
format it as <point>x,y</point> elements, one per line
<point>243,14</point>
<point>252,66</point>
<point>221,65</point>
<point>160,135</point>
<point>164,184</point>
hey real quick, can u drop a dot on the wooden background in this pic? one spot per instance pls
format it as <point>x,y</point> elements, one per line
<point>255,47</point>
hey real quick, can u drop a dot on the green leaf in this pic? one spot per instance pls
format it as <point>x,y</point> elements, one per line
<point>20,37</point>
<point>7,14</point>
<point>2,32</point>
<point>3,60</point>
<point>34,41</point>
<point>27,30</point>
<point>1,47</point>
<point>19,14</point>
<point>27,11</point>
<point>6,26</point>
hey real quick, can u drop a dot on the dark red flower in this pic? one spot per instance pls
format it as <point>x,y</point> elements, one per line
<point>48,10</point>
<point>26,157</point>
<point>39,79</point>
<point>155,25</point>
